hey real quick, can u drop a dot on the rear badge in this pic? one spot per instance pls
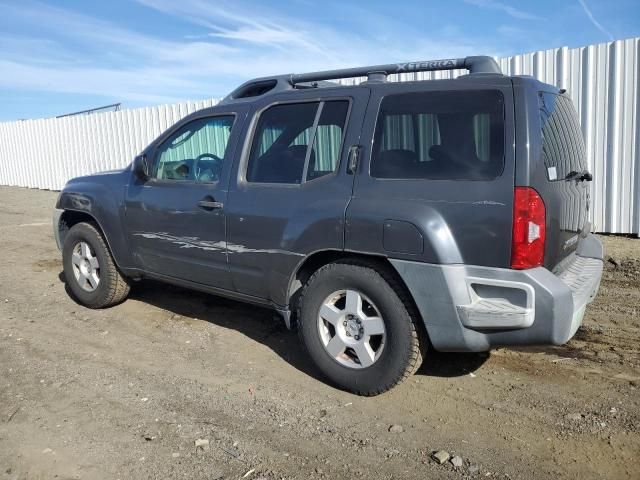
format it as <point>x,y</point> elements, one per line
<point>553,174</point>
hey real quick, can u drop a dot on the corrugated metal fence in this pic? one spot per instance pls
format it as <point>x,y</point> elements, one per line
<point>603,81</point>
<point>45,153</point>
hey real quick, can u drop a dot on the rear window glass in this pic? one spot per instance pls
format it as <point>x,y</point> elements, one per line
<point>563,148</point>
<point>440,136</point>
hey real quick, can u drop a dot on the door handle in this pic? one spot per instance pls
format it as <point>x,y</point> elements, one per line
<point>209,204</point>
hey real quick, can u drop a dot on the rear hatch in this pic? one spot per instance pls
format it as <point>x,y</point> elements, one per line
<point>565,190</point>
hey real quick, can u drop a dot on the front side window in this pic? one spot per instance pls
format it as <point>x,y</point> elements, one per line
<point>195,152</point>
<point>440,136</point>
<point>295,143</point>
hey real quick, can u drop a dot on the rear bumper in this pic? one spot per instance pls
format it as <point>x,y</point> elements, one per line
<point>472,308</point>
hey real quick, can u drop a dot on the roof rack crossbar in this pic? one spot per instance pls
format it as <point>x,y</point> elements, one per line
<point>478,64</point>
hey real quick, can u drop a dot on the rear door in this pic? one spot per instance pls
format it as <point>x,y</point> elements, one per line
<point>289,194</point>
<point>565,184</point>
<point>436,179</point>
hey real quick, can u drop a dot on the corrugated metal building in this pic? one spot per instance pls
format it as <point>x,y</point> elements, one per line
<point>603,81</point>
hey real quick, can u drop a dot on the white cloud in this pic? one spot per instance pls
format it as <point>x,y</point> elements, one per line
<point>508,9</point>
<point>68,52</point>
<point>593,20</point>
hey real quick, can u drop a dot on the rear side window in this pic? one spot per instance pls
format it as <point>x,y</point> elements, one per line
<point>327,143</point>
<point>440,135</point>
<point>295,143</point>
<point>563,149</point>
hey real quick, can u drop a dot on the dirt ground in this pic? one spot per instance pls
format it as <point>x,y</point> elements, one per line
<point>124,393</point>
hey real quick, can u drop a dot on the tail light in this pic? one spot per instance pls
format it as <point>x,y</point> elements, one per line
<point>529,231</point>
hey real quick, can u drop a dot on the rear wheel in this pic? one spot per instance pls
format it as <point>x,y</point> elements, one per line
<point>359,327</point>
<point>91,273</point>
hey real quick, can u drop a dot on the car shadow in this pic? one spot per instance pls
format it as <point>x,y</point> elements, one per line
<point>267,327</point>
<point>255,322</point>
<point>450,365</point>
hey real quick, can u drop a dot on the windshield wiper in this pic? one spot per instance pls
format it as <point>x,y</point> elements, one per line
<point>581,176</point>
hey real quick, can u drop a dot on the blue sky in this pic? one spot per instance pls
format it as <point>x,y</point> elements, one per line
<point>61,56</point>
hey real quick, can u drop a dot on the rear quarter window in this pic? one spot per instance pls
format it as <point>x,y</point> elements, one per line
<point>455,135</point>
<point>563,150</point>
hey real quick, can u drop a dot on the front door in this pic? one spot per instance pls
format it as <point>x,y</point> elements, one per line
<point>176,219</point>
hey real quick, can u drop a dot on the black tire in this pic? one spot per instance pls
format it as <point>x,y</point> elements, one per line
<point>112,287</point>
<point>405,343</point>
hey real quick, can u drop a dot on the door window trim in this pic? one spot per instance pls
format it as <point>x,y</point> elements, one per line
<point>251,132</point>
<point>173,129</point>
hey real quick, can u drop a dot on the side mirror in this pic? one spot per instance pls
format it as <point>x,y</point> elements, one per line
<point>141,167</point>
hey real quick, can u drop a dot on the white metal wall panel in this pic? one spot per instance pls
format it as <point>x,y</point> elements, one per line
<point>603,81</point>
<point>45,153</point>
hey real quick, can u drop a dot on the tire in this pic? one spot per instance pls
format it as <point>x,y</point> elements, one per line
<point>382,296</point>
<point>82,270</point>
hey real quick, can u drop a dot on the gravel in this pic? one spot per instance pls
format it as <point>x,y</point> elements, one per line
<point>441,456</point>
<point>244,378</point>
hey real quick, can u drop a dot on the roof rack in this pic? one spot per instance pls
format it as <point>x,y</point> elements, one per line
<point>377,73</point>
<point>473,64</point>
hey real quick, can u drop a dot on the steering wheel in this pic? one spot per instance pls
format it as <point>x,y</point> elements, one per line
<point>203,156</point>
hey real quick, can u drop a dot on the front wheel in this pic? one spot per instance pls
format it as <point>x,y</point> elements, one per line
<point>91,273</point>
<point>355,322</point>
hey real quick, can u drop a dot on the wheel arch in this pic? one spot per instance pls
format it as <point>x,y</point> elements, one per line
<point>317,260</point>
<point>69,218</point>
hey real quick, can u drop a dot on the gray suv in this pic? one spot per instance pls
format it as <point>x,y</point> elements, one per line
<point>378,219</point>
